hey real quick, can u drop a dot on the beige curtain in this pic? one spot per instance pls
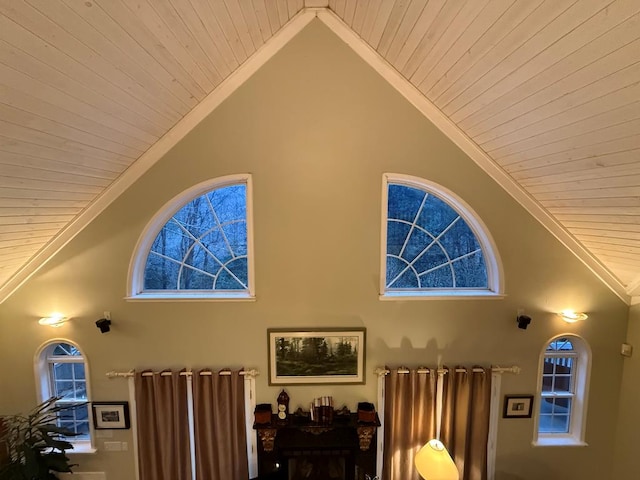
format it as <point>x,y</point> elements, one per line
<point>219,418</point>
<point>409,420</point>
<point>465,420</point>
<point>163,427</point>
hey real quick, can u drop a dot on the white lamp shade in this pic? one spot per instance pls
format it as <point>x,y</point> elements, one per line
<point>433,462</point>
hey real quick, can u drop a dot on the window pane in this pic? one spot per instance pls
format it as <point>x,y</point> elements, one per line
<point>562,383</point>
<point>459,240</point>
<point>66,349</point>
<point>80,390</point>
<point>431,258</point>
<point>404,203</point>
<point>66,375</point>
<point>558,374</point>
<point>436,215</point>
<point>78,371</point>
<point>554,415</point>
<point>64,389</point>
<point>440,278</point>
<point>429,246</point>
<point>470,271</point>
<point>66,415</point>
<point>233,276</point>
<point>561,344</point>
<point>203,246</point>
<point>82,412</point>
<point>63,371</point>
<point>82,428</point>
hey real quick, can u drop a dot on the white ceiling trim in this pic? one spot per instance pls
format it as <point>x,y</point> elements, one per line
<point>160,148</point>
<point>432,113</point>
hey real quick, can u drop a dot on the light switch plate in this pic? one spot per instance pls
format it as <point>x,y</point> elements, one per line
<point>626,350</point>
<point>113,446</point>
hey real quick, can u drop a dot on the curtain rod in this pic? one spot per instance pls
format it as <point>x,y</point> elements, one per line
<point>186,373</point>
<point>494,369</point>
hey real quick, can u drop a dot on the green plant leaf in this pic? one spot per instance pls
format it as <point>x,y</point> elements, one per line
<point>57,444</point>
<point>52,428</point>
<point>35,444</point>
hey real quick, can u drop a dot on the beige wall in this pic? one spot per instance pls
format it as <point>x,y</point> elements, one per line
<point>316,128</point>
<point>627,459</point>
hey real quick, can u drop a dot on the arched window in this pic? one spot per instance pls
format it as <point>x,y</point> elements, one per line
<point>565,366</point>
<point>198,245</point>
<point>434,244</point>
<point>62,372</point>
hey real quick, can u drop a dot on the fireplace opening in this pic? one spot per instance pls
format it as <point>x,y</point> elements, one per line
<point>318,465</point>
<point>301,450</point>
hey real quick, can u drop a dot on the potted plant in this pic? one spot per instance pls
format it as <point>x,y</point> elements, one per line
<point>33,446</point>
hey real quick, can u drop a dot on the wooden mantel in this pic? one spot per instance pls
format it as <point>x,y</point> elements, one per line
<point>345,437</point>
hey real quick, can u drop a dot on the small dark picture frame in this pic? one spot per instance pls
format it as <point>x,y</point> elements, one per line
<point>110,415</point>
<point>517,406</point>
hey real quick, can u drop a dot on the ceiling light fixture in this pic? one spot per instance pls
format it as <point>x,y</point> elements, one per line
<point>570,316</point>
<point>55,320</point>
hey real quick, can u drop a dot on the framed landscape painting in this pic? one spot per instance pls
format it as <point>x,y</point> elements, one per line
<point>316,356</point>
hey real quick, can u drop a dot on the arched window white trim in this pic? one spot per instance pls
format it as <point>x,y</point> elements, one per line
<point>494,270</point>
<point>576,395</point>
<point>45,361</point>
<point>135,280</point>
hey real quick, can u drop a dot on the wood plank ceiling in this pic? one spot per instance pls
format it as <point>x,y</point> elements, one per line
<point>549,89</point>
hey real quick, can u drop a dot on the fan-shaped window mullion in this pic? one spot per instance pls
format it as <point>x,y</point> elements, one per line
<point>203,247</point>
<point>414,225</point>
<point>420,216</point>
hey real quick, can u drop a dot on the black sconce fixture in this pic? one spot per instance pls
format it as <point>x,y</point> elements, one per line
<point>523,321</point>
<point>104,324</point>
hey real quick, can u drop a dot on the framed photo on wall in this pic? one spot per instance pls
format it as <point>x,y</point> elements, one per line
<point>316,356</point>
<point>110,415</point>
<point>518,406</point>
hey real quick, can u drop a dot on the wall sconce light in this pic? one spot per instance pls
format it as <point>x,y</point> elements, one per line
<point>55,320</point>
<point>570,316</point>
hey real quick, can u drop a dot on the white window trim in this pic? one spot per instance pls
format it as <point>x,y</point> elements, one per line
<point>44,390</point>
<point>578,420</point>
<point>135,278</point>
<point>495,273</point>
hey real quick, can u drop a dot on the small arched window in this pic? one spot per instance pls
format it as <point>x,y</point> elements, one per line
<point>62,372</point>
<point>434,244</point>
<point>198,245</point>
<point>565,366</point>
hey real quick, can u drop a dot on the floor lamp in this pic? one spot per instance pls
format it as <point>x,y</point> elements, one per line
<point>433,461</point>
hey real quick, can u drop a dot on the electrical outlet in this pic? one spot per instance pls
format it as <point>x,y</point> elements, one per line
<point>626,350</point>
<point>107,315</point>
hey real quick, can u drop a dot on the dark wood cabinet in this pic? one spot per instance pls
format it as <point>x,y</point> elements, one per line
<point>345,449</point>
